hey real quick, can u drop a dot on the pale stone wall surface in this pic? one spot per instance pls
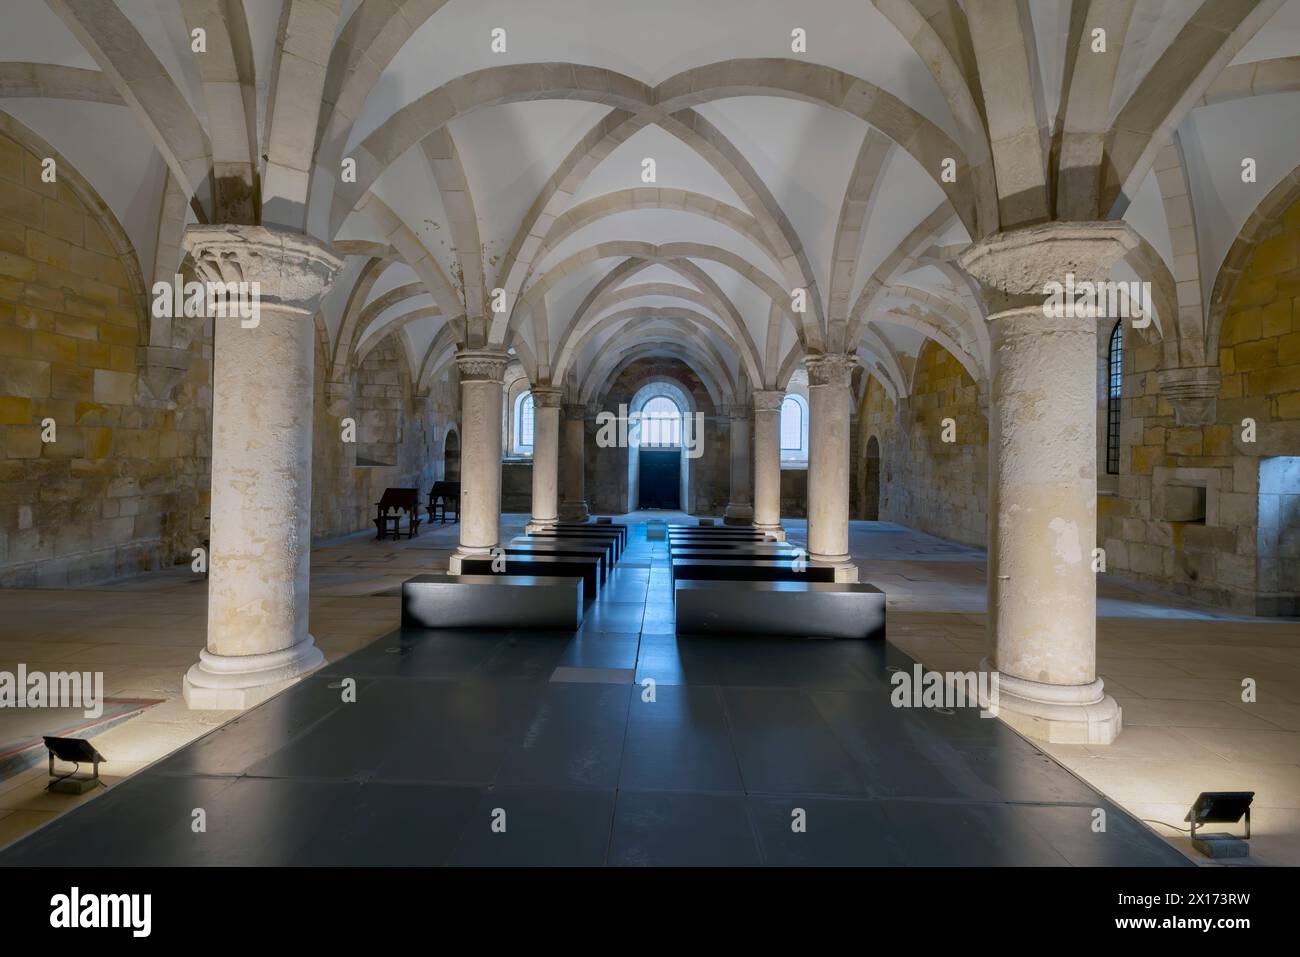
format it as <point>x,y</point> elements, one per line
<point>926,483</point>
<point>124,488</point>
<point>1222,558</point>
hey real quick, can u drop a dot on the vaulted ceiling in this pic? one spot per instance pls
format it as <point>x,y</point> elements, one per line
<point>518,161</point>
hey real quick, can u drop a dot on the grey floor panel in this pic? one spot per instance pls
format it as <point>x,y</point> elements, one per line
<point>573,739</point>
<point>658,829</point>
<point>450,725</point>
<point>542,828</point>
<point>679,742</point>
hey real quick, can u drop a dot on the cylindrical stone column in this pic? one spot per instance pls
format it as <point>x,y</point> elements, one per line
<point>1042,588</point>
<point>262,390</point>
<point>546,457</point>
<point>767,462</point>
<point>740,508</point>
<point>482,373</point>
<point>829,408</point>
<point>574,507</point>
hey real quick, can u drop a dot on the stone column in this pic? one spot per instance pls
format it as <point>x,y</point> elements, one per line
<point>829,408</point>
<point>260,539</point>
<point>482,374</point>
<point>574,507</point>
<point>740,510</point>
<point>767,462</point>
<point>546,457</point>
<point>1042,590</point>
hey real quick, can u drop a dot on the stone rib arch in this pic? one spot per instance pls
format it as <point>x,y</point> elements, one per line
<point>569,356</point>
<point>967,328</point>
<point>852,227</point>
<point>670,332</point>
<point>50,81</point>
<point>597,381</point>
<point>366,343</point>
<point>458,200</point>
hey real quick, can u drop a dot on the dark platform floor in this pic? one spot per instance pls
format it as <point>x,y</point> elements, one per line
<point>449,726</point>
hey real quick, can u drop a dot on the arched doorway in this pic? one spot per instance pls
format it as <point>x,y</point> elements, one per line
<point>451,458</point>
<point>871,485</point>
<point>658,466</point>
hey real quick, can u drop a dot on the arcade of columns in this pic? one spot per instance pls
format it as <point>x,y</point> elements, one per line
<point>1042,592</point>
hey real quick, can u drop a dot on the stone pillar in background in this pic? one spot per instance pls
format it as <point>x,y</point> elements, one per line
<point>482,374</point>
<point>1042,590</point>
<point>767,462</point>
<point>259,569</point>
<point>546,457</point>
<point>740,509</point>
<point>574,507</point>
<point>829,408</point>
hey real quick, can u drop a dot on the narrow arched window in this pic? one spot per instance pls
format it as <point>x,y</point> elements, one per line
<point>1114,392</point>
<point>661,423</point>
<point>524,424</point>
<point>794,429</point>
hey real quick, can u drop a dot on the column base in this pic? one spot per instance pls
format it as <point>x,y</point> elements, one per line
<point>1058,714</point>
<point>570,512</point>
<point>845,570</point>
<point>540,525</point>
<point>238,682</point>
<point>775,532</point>
<point>738,515</point>
<point>463,552</point>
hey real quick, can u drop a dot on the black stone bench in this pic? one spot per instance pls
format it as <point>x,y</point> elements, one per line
<point>780,609</point>
<point>592,532</point>
<point>492,601</point>
<point>607,526</point>
<point>727,554</point>
<point>608,546</point>
<point>547,566</point>
<point>694,546</point>
<point>532,546</point>
<point>750,570</point>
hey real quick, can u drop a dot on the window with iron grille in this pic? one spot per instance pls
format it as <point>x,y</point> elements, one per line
<point>1114,391</point>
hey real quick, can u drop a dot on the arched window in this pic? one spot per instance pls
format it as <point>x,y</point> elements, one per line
<point>661,422</point>
<point>523,424</point>
<point>794,429</point>
<point>1114,391</point>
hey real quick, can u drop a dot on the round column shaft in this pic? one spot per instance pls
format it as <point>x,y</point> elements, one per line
<point>1042,588</point>
<point>740,510</point>
<point>482,374</point>
<point>574,508</point>
<point>263,365</point>
<point>829,408</point>
<point>767,462</point>
<point>546,457</point>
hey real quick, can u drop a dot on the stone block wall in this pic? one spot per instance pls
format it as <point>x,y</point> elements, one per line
<point>926,483</point>
<point>1220,558</point>
<point>124,486</point>
<point>517,486</point>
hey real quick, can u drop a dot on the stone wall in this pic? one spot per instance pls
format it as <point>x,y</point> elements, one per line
<point>926,483</point>
<point>794,492</point>
<point>1152,529</point>
<point>517,486</point>
<point>398,440</point>
<point>607,469</point>
<point>124,486</point>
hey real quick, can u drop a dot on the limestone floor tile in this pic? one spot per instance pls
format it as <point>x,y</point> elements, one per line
<point>1189,714</point>
<point>1157,744</point>
<point>1120,667</point>
<point>1187,689</point>
<point>1279,714</point>
<point>1256,747</point>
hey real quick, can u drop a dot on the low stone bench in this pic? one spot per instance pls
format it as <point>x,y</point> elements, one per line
<point>590,533</point>
<point>726,554</point>
<point>695,546</point>
<point>750,570</point>
<point>492,601</point>
<point>546,566</point>
<point>605,526</point>
<point>533,546</point>
<point>780,609</point>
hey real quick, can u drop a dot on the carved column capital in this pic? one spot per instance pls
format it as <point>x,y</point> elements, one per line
<point>1014,268</point>
<point>547,397</point>
<point>768,400</point>
<point>1193,393</point>
<point>482,365</point>
<point>292,269</point>
<point>829,368</point>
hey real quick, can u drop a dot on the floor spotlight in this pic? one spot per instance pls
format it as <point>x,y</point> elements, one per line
<point>1221,807</point>
<point>74,751</point>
